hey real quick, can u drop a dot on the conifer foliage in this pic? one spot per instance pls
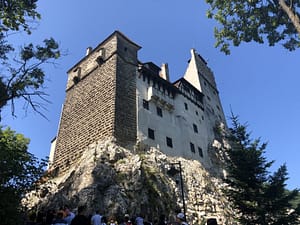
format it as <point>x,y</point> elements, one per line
<point>258,196</point>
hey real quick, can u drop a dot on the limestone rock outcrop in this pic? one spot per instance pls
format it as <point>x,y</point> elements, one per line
<point>118,181</point>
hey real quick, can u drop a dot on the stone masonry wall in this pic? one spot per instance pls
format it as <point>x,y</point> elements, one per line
<point>88,114</point>
<point>125,124</point>
<point>101,103</point>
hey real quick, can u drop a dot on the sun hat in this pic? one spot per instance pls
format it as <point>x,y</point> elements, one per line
<point>180,216</point>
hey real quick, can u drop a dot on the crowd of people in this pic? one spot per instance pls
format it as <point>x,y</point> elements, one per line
<point>64,216</point>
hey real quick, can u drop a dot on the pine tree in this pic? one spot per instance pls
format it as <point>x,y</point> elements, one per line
<point>258,197</point>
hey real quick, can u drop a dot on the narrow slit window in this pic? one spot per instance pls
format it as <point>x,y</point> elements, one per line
<point>195,128</point>
<point>192,146</point>
<point>200,152</point>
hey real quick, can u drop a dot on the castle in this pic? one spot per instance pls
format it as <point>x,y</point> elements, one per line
<point>111,94</point>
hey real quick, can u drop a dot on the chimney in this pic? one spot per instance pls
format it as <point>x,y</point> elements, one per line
<point>88,50</point>
<point>164,72</point>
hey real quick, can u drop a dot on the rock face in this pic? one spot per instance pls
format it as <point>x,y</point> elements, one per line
<point>118,181</point>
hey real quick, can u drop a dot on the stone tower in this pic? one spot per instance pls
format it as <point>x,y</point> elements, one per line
<point>100,100</point>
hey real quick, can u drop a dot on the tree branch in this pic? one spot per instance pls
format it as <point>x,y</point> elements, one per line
<point>292,15</point>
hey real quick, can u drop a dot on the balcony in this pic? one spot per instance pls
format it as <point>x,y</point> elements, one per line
<point>160,99</point>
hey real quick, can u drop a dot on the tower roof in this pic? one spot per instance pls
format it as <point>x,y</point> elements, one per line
<point>198,67</point>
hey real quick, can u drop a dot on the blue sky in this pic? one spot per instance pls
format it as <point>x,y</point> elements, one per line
<point>259,83</point>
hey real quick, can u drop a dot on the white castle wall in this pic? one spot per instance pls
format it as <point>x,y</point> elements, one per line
<point>177,123</point>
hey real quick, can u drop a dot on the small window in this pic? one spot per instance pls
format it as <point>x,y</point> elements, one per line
<point>218,108</point>
<point>159,111</point>
<point>202,117</point>
<point>200,152</point>
<point>186,106</point>
<point>192,147</point>
<point>151,133</point>
<point>197,113</point>
<point>169,142</point>
<point>208,98</point>
<point>145,104</point>
<point>195,128</point>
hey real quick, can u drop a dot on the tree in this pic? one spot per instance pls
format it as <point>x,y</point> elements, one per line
<point>258,197</point>
<point>274,21</point>
<point>23,76</point>
<point>19,170</point>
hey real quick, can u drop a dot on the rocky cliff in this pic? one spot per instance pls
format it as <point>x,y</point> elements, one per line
<point>118,181</point>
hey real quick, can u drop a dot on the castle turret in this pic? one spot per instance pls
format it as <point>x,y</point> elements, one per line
<point>202,78</point>
<point>198,67</point>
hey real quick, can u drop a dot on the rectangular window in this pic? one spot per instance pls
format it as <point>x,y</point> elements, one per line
<point>145,104</point>
<point>169,142</point>
<point>200,152</point>
<point>186,106</point>
<point>151,133</point>
<point>159,111</point>
<point>195,128</point>
<point>192,147</point>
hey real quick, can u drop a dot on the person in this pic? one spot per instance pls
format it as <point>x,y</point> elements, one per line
<point>112,221</point>
<point>96,219</point>
<point>139,220</point>
<point>180,218</point>
<point>127,220</point>
<point>103,220</point>
<point>80,218</point>
<point>69,215</point>
<point>59,220</point>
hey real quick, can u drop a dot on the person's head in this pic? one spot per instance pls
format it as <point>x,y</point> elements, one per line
<point>180,217</point>
<point>126,217</point>
<point>112,219</point>
<point>103,219</point>
<point>60,215</point>
<point>81,209</point>
<point>66,209</point>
